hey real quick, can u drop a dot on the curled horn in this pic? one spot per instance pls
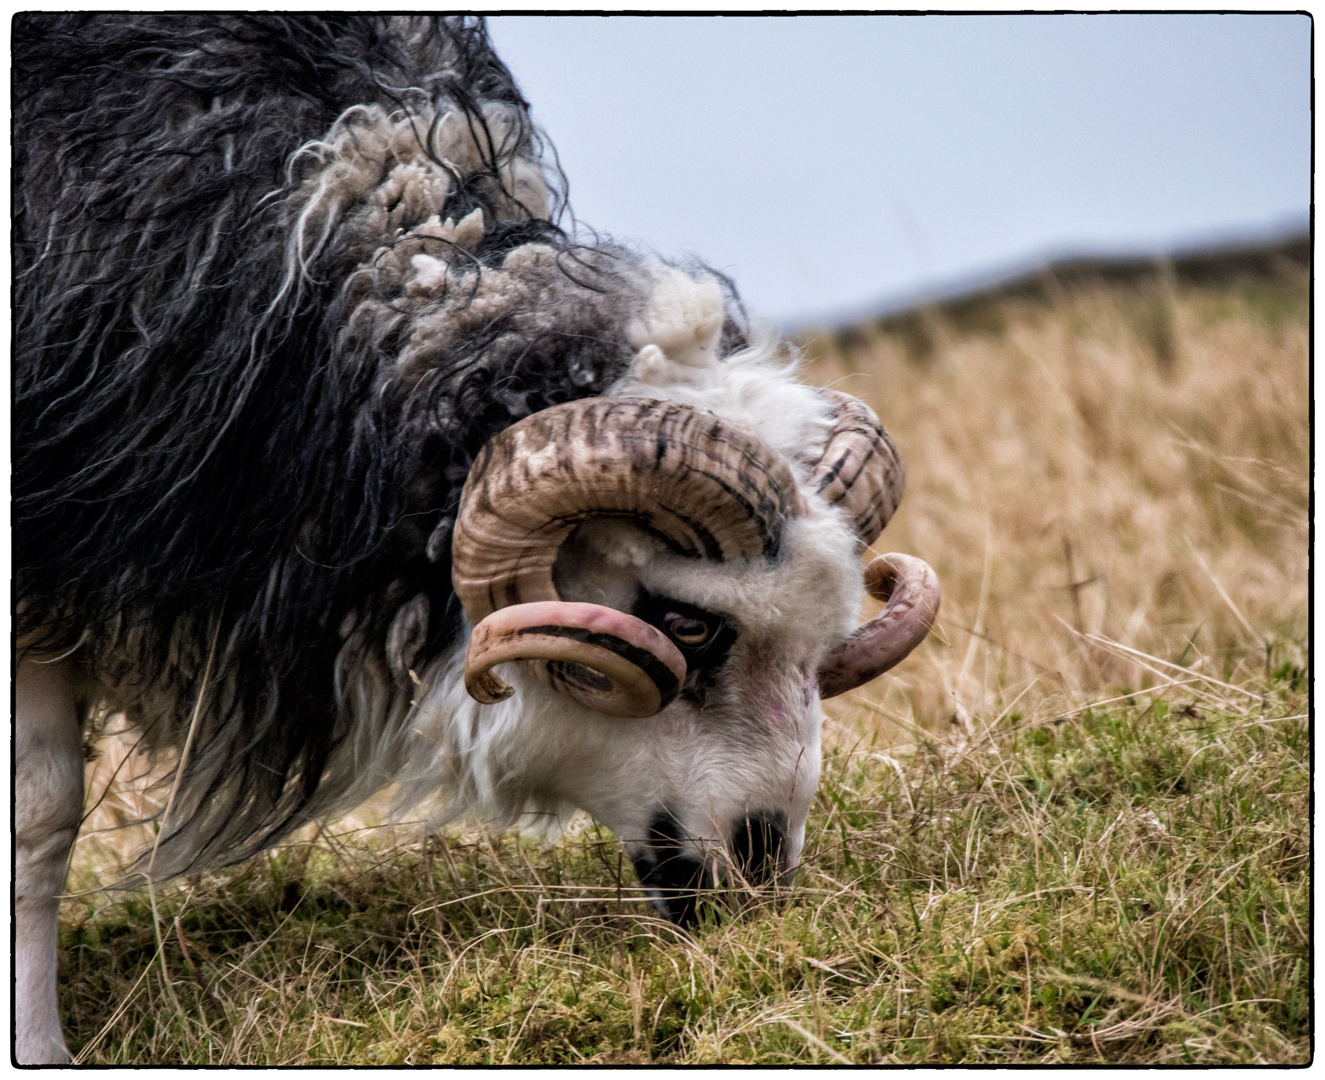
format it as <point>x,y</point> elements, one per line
<point>911,591</point>
<point>603,658</point>
<point>860,469</point>
<point>706,487</point>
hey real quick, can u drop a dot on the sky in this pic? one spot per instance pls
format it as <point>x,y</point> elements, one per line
<point>842,166</point>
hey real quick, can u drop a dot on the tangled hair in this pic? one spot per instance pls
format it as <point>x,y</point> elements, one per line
<point>277,280</point>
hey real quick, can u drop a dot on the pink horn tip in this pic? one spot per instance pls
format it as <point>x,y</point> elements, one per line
<point>605,659</point>
<point>911,590</point>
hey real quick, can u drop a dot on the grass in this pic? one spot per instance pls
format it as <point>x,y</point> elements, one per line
<point>1074,827</point>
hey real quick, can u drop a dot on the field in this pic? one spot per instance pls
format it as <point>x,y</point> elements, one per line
<point>1072,827</point>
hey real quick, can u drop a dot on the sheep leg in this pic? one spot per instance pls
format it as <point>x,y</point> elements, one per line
<point>48,803</point>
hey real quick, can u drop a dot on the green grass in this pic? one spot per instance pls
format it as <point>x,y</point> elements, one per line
<point>1124,883</point>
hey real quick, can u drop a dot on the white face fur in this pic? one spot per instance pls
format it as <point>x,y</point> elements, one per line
<point>719,784</point>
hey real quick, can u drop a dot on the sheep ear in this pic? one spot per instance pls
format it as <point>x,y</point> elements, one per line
<point>911,590</point>
<point>606,660</point>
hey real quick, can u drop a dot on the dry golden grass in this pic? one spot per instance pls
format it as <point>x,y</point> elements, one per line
<point>1125,464</point>
<point>1073,827</point>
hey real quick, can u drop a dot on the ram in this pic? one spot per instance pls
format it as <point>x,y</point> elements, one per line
<point>339,464</point>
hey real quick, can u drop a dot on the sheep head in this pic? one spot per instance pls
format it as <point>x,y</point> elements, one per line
<point>673,604</point>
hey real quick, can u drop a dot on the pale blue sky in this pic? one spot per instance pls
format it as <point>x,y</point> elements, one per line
<point>833,165</point>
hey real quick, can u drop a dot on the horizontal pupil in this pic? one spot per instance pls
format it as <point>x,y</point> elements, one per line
<point>690,631</point>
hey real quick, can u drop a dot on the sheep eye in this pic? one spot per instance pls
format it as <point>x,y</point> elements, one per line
<point>686,630</point>
<point>704,637</point>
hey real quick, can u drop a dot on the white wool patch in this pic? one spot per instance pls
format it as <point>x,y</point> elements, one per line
<point>389,172</point>
<point>682,319</point>
<point>494,762</point>
<point>430,271</point>
<point>676,359</point>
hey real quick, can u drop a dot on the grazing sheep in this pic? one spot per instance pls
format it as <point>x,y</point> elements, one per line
<point>338,463</point>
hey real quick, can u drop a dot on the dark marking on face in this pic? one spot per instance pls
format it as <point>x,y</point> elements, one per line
<point>672,875</point>
<point>758,846</point>
<point>704,638</point>
<point>809,688</point>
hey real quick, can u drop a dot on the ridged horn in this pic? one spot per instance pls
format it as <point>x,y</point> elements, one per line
<point>706,487</point>
<point>860,469</point>
<point>610,661</point>
<point>911,592</point>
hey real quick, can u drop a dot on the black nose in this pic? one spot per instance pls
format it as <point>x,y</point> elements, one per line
<point>759,846</point>
<point>758,850</point>
<point>672,877</point>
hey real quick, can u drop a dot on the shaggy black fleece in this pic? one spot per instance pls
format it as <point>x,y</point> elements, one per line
<point>204,454</point>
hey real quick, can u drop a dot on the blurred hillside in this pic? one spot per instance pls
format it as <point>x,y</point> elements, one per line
<point>982,309</point>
